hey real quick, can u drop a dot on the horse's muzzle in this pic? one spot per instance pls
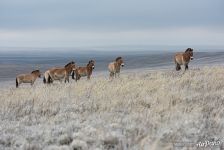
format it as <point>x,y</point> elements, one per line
<point>122,65</point>
<point>192,58</point>
<point>93,67</point>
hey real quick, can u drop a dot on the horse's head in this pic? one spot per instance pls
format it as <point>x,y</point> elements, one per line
<point>73,67</point>
<point>37,73</point>
<point>120,61</point>
<point>91,64</point>
<point>190,52</point>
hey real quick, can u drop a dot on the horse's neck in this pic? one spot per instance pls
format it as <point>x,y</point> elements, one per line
<point>89,69</point>
<point>68,69</point>
<point>117,65</point>
<point>187,55</point>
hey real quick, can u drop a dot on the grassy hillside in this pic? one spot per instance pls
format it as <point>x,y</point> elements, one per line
<point>149,110</point>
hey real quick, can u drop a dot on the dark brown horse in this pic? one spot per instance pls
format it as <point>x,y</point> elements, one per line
<point>183,58</point>
<point>59,73</point>
<point>115,67</point>
<point>27,78</point>
<point>84,71</point>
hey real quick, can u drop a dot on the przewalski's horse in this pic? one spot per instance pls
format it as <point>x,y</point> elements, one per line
<point>28,78</point>
<point>84,71</point>
<point>115,67</point>
<point>183,58</point>
<point>59,73</point>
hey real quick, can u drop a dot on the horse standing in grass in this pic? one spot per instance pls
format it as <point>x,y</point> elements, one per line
<point>84,71</point>
<point>27,78</point>
<point>183,59</point>
<point>115,67</point>
<point>59,73</point>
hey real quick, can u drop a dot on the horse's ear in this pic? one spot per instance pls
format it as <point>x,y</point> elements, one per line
<point>91,61</point>
<point>35,71</point>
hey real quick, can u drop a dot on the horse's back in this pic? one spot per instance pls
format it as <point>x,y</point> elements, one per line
<point>81,71</point>
<point>57,70</point>
<point>25,77</point>
<point>22,76</point>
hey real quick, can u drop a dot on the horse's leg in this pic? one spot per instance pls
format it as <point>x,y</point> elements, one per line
<point>88,77</point>
<point>73,74</point>
<point>111,75</point>
<point>67,79</point>
<point>17,83</point>
<point>118,74</point>
<point>31,82</point>
<point>177,67</point>
<point>186,67</point>
<point>50,78</point>
<point>79,77</point>
<point>60,80</point>
<point>114,75</point>
<point>76,77</point>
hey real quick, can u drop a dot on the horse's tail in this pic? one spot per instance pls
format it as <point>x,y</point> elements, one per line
<point>17,84</point>
<point>45,77</point>
<point>49,80</point>
<point>176,63</point>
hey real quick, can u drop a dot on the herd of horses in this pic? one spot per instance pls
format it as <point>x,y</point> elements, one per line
<point>70,69</point>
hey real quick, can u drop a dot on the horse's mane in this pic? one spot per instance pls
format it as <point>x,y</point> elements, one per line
<point>189,50</point>
<point>91,61</point>
<point>72,62</point>
<point>118,58</point>
<point>35,71</point>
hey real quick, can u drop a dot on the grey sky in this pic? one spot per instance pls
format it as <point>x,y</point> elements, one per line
<point>92,23</point>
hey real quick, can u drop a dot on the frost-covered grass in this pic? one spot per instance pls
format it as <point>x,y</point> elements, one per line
<point>147,110</point>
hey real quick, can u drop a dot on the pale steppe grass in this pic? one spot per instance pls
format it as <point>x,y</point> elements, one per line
<point>145,110</point>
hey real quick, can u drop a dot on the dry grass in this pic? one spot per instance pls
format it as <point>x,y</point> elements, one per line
<point>154,110</point>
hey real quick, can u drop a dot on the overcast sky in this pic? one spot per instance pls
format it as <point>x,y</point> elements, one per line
<point>99,23</point>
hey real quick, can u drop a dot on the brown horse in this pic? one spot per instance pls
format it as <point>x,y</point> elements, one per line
<point>115,67</point>
<point>59,73</point>
<point>27,78</point>
<point>183,58</point>
<point>84,71</point>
